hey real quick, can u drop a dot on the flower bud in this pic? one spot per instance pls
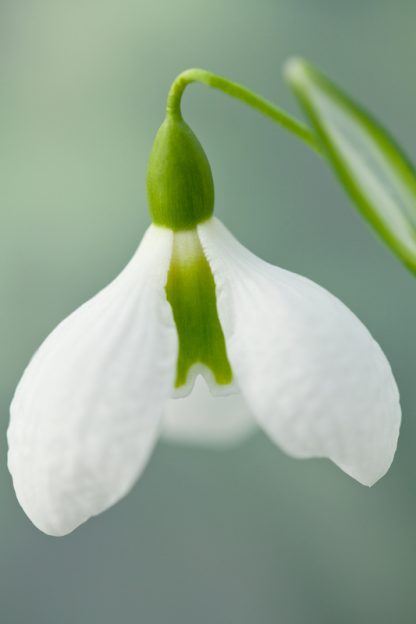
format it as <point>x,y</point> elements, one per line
<point>179,180</point>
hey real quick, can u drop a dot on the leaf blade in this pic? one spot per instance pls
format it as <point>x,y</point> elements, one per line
<point>371,166</point>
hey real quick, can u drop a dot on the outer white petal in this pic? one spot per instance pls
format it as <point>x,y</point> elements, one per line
<point>310,371</point>
<point>86,411</point>
<point>207,420</point>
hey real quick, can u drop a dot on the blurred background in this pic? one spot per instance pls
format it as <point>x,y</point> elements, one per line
<point>245,535</point>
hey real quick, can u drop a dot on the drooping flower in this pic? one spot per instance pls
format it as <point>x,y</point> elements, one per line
<point>264,345</point>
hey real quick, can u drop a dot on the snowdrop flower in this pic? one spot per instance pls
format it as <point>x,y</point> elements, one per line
<point>196,339</point>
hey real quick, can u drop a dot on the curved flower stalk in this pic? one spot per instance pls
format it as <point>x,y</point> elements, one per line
<point>197,339</point>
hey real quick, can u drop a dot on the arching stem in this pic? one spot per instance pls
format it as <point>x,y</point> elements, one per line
<point>243,94</point>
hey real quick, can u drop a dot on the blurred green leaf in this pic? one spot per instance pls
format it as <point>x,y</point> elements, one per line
<point>369,163</point>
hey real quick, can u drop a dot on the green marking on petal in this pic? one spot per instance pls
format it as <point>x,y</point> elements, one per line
<point>190,290</point>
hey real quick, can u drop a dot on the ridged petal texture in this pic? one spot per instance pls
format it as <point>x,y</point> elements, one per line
<point>311,373</point>
<point>86,412</point>
<point>205,419</point>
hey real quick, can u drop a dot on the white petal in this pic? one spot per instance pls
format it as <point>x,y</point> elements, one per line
<point>86,412</point>
<point>207,420</point>
<point>310,371</point>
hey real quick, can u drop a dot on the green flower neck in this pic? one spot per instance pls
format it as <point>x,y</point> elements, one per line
<point>179,179</point>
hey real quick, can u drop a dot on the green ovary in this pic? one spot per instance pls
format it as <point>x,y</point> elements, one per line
<point>190,290</point>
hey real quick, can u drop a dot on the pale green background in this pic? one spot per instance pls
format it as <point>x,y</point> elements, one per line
<point>245,536</point>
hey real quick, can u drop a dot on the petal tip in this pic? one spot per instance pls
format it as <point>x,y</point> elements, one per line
<point>374,469</point>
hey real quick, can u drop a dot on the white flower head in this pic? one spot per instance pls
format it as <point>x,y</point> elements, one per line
<point>266,347</point>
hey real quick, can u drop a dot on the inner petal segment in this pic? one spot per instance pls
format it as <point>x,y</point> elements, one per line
<point>207,420</point>
<point>190,290</point>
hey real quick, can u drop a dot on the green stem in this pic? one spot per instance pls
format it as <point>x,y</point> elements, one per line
<point>244,95</point>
